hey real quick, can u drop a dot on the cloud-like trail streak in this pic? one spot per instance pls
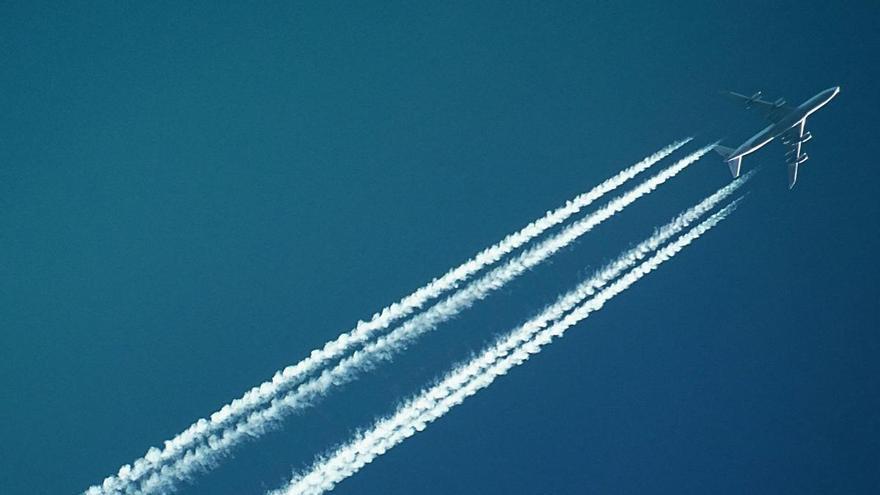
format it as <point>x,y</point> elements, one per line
<point>205,456</point>
<point>363,331</point>
<point>512,350</point>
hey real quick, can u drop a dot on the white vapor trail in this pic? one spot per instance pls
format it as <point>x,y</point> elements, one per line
<point>204,428</point>
<point>383,348</point>
<point>514,349</point>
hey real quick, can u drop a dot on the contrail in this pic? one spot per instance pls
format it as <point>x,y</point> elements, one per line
<point>203,457</point>
<point>514,349</point>
<point>363,331</point>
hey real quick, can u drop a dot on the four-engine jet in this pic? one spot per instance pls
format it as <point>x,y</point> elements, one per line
<point>787,123</point>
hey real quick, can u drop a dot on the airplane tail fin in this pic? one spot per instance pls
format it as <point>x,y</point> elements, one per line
<point>734,164</point>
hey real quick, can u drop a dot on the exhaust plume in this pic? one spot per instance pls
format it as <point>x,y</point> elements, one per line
<point>204,457</point>
<point>467,379</point>
<point>292,375</point>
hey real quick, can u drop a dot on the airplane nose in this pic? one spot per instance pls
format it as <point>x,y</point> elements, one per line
<point>830,93</point>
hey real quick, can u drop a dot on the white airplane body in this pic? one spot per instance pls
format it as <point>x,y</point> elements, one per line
<point>787,123</point>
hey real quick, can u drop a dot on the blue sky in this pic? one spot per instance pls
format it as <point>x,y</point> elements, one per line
<point>196,196</point>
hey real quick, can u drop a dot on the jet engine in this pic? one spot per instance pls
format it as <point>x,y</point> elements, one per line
<point>796,160</point>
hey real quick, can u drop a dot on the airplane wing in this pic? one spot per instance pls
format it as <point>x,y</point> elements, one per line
<point>794,138</point>
<point>772,111</point>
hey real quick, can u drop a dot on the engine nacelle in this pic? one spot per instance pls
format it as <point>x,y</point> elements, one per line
<point>802,159</point>
<point>792,141</point>
<point>779,103</point>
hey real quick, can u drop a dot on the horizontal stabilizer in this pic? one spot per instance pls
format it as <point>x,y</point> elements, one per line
<point>723,150</point>
<point>733,164</point>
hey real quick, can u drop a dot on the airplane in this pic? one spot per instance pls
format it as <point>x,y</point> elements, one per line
<point>786,123</point>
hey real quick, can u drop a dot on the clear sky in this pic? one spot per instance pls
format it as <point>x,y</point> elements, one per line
<point>195,195</point>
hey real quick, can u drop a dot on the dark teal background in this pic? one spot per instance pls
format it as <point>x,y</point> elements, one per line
<point>195,195</point>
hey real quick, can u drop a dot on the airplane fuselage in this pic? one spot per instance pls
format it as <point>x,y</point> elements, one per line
<point>795,117</point>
